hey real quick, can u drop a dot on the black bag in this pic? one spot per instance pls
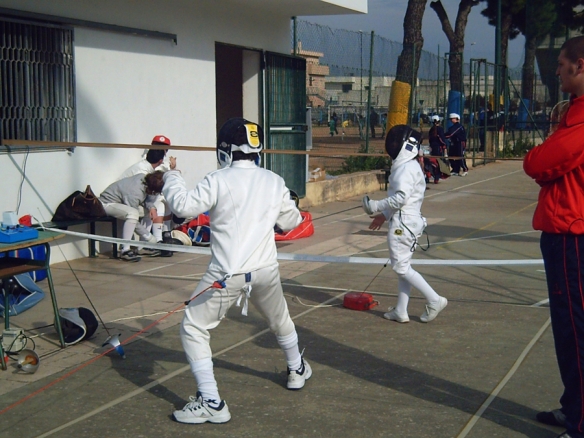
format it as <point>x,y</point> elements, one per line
<point>79,205</point>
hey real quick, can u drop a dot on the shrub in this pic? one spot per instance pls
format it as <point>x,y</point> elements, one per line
<point>360,164</point>
<point>517,149</point>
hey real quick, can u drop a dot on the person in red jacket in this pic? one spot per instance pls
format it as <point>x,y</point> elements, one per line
<point>557,165</point>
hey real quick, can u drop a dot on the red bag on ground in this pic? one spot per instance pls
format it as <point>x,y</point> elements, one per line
<point>201,219</point>
<point>198,230</point>
<point>305,229</point>
<point>359,301</point>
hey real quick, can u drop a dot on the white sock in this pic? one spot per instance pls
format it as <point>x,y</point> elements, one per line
<point>416,280</point>
<point>157,229</point>
<point>403,296</point>
<point>206,383</point>
<point>128,232</point>
<point>289,345</point>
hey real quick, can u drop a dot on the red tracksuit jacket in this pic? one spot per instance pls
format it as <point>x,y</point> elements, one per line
<point>557,165</point>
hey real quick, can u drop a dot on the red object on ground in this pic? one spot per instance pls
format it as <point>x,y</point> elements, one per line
<point>359,301</point>
<point>201,219</point>
<point>305,229</point>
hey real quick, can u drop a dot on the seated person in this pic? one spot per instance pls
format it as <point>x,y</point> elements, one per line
<point>155,219</point>
<point>123,199</point>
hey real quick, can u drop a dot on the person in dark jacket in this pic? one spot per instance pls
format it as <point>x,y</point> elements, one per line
<point>437,148</point>
<point>457,136</point>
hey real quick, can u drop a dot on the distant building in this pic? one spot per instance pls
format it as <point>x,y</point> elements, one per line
<point>315,77</point>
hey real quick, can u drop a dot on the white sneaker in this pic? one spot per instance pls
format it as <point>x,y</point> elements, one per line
<point>454,174</point>
<point>297,379</point>
<point>200,411</point>
<point>432,310</point>
<point>464,174</point>
<point>367,205</point>
<point>392,315</point>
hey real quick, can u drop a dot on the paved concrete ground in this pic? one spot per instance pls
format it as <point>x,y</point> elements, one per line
<point>483,368</point>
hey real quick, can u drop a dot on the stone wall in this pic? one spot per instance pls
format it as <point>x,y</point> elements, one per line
<point>342,187</point>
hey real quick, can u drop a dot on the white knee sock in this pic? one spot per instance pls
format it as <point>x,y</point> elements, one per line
<point>417,281</point>
<point>128,232</point>
<point>403,296</point>
<point>157,229</point>
<point>289,345</point>
<point>206,383</point>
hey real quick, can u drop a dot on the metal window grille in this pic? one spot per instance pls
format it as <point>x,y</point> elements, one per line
<point>36,83</point>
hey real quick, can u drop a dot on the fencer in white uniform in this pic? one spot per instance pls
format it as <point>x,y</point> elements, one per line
<point>244,202</point>
<point>402,208</point>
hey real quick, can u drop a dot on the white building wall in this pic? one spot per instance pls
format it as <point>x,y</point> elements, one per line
<point>129,88</point>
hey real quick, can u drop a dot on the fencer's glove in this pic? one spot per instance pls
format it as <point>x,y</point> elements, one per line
<point>367,205</point>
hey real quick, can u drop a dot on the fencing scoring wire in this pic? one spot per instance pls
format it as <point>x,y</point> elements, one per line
<point>302,257</point>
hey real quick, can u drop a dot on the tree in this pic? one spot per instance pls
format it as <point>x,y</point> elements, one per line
<point>570,15</point>
<point>540,17</point>
<point>455,38</point>
<point>409,59</point>
<point>407,64</point>
<point>510,9</point>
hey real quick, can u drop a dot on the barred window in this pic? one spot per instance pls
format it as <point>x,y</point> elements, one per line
<point>36,82</point>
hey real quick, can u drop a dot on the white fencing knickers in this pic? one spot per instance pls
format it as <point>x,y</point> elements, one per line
<point>402,237</point>
<point>206,311</point>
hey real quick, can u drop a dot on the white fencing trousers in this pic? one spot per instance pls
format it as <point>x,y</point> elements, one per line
<point>162,209</point>
<point>130,216</point>
<point>206,311</point>
<point>404,230</point>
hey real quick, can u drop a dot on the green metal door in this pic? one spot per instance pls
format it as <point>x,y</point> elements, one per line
<point>285,87</point>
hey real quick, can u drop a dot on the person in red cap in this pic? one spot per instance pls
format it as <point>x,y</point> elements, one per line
<point>155,219</point>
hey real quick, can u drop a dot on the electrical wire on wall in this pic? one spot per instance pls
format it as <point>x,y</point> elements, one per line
<point>23,173</point>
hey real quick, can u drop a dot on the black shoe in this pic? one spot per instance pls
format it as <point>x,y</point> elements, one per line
<point>165,252</point>
<point>167,238</point>
<point>130,256</point>
<point>552,418</point>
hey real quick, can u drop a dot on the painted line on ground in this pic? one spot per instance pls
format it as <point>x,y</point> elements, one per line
<point>432,195</point>
<point>166,266</point>
<point>493,395</point>
<point>541,303</point>
<point>175,373</point>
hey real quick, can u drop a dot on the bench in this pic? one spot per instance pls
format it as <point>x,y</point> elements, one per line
<point>63,225</point>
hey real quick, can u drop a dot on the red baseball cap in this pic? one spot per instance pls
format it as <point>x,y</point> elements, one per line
<point>161,139</point>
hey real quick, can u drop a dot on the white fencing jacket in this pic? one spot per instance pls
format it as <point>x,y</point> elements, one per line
<point>406,187</point>
<point>244,203</point>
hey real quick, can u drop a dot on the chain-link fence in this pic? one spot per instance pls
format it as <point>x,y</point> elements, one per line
<point>349,73</point>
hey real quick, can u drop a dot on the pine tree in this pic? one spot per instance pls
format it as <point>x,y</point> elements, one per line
<point>455,38</point>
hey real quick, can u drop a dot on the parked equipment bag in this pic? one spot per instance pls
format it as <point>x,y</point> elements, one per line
<point>77,324</point>
<point>359,301</point>
<point>444,167</point>
<point>22,296</point>
<point>305,229</point>
<point>79,205</point>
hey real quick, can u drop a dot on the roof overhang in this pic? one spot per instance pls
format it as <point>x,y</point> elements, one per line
<point>295,8</point>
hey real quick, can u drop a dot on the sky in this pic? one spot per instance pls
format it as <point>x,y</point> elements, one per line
<point>386,17</point>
